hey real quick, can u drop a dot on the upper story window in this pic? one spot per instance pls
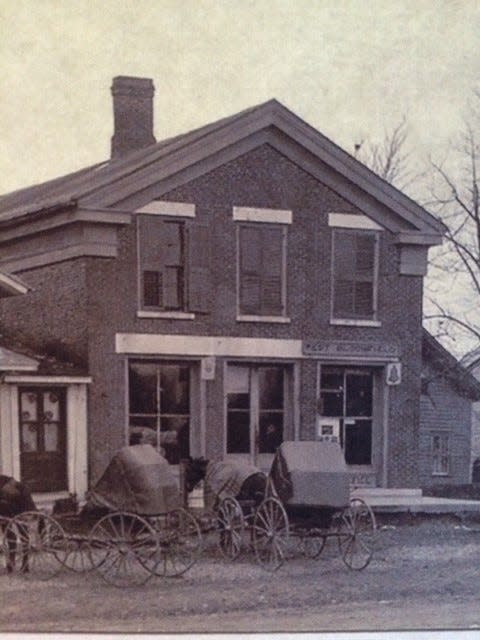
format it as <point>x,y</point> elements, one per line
<point>173,258</point>
<point>262,290</point>
<point>355,274</point>
<point>262,247</point>
<point>163,268</point>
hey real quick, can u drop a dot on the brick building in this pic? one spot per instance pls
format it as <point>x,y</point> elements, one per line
<point>225,289</point>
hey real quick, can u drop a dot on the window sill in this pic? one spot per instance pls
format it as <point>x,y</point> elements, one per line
<point>441,474</point>
<point>355,323</point>
<point>275,319</point>
<point>172,315</point>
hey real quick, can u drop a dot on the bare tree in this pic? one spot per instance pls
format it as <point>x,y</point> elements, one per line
<point>389,158</point>
<point>453,298</point>
<point>452,301</point>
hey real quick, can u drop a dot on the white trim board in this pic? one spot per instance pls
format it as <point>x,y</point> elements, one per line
<point>352,221</point>
<point>48,379</point>
<point>275,216</point>
<point>164,208</point>
<point>187,345</point>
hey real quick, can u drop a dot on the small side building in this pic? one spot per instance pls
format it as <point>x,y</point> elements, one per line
<point>448,393</point>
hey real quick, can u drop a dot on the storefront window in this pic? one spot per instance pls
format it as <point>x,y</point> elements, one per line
<point>159,404</point>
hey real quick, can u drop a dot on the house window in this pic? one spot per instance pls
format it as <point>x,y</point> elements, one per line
<point>355,265</point>
<point>174,273</point>
<point>159,406</point>
<point>346,399</point>
<point>163,268</point>
<point>262,250</point>
<point>440,449</point>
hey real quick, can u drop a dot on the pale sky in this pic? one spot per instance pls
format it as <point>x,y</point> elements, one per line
<point>350,68</point>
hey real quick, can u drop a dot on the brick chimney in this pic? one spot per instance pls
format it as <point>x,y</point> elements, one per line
<point>132,115</point>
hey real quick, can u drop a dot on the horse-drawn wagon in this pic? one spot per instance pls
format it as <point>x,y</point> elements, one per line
<point>306,497</point>
<point>132,527</point>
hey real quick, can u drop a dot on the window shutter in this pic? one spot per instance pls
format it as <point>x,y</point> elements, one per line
<point>272,271</point>
<point>199,275</point>
<point>250,270</point>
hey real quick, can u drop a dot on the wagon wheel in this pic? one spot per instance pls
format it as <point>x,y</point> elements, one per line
<point>121,546</point>
<point>35,545</point>
<point>312,546</point>
<point>356,534</point>
<point>270,534</point>
<point>179,543</point>
<point>231,525</point>
<point>78,557</point>
<point>3,547</point>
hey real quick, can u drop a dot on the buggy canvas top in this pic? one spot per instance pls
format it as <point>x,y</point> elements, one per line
<point>139,480</point>
<point>311,473</point>
<point>225,478</point>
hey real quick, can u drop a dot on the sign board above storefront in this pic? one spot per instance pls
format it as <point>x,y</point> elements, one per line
<point>351,350</point>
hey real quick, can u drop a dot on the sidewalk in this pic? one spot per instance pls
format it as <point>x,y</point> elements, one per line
<point>412,500</point>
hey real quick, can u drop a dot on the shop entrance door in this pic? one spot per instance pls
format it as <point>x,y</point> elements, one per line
<point>43,451</point>
<point>255,396</point>
<point>347,395</point>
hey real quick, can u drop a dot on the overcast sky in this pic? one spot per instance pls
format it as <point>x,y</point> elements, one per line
<point>348,68</point>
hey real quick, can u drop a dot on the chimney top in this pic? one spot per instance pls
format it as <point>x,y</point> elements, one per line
<point>132,114</point>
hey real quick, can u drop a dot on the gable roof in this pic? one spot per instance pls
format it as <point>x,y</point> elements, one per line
<point>449,367</point>
<point>109,184</point>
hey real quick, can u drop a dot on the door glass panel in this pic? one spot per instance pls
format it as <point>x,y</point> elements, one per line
<point>29,437</point>
<point>28,406</point>
<point>51,406</point>
<point>358,442</point>
<point>237,379</point>
<point>270,431</point>
<point>359,395</point>
<point>51,439</point>
<point>238,432</point>
<point>270,381</point>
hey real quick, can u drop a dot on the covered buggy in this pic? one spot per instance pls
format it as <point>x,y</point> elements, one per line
<point>139,480</point>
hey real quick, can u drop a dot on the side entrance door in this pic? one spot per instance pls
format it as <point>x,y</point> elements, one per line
<point>256,401</point>
<point>43,451</point>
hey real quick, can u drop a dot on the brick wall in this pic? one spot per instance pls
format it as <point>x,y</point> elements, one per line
<point>108,289</point>
<point>53,315</point>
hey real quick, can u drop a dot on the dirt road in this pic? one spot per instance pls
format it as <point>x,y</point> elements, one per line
<point>422,577</point>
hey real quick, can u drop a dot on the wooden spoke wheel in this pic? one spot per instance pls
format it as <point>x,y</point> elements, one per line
<point>231,525</point>
<point>3,547</point>
<point>179,543</point>
<point>356,534</point>
<point>270,534</point>
<point>78,557</point>
<point>312,546</point>
<point>35,545</point>
<point>122,548</point>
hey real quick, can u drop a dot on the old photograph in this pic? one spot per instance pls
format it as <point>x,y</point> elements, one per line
<point>240,317</point>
